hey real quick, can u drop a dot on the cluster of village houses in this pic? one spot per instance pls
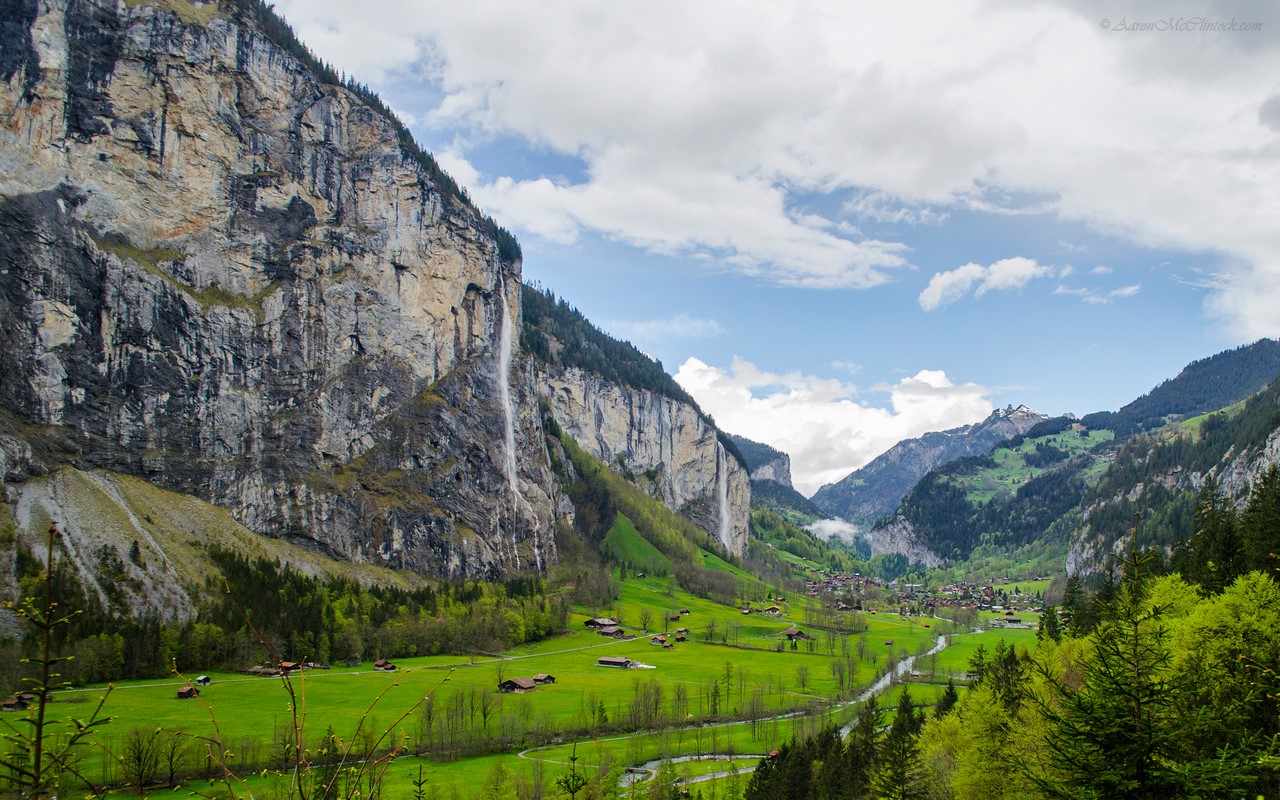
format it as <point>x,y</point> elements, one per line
<point>866,593</point>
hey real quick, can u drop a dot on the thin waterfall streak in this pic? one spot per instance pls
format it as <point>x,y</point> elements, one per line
<point>506,347</point>
<point>722,493</point>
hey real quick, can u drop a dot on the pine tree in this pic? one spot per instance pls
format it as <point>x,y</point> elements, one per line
<point>1260,524</point>
<point>898,774</point>
<point>947,701</point>
<point>1126,732</point>
<point>862,750</point>
<point>1213,557</point>
<point>1049,627</point>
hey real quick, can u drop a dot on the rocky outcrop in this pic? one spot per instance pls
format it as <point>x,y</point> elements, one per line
<point>765,463</point>
<point>1091,545</point>
<point>874,491</point>
<point>897,536</point>
<point>230,278</point>
<point>664,445</point>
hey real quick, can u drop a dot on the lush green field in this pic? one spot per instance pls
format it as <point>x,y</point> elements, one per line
<point>1012,469</point>
<point>757,676</point>
<point>627,546</point>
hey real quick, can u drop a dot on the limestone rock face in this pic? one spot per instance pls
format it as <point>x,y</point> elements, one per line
<point>897,536</point>
<point>765,463</point>
<point>231,279</point>
<point>665,445</point>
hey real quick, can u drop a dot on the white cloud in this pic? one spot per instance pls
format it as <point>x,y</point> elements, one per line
<point>1101,269</point>
<point>681,326</point>
<point>699,124</point>
<point>851,367</point>
<point>1004,275</point>
<point>828,529</point>
<point>819,422</point>
<point>1096,296</point>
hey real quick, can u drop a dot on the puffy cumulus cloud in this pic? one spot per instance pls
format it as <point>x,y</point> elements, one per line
<point>702,126</point>
<point>1002,276</point>
<point>820,422</point>
<point>681,326</point>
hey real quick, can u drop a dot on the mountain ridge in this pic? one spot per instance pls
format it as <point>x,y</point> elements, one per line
<point>873,491</point>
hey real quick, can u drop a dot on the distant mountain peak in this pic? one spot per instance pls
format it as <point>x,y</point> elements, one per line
<point>873,492</point>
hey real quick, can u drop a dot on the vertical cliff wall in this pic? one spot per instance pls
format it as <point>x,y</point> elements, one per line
<point>666,445</point>
<point>231,278</point>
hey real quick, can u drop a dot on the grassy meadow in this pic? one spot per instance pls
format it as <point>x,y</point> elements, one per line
<point>736,688</point>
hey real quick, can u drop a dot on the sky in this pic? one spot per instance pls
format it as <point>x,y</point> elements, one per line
<point>843,224</point>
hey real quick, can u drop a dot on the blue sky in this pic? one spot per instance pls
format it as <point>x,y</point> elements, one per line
<point>840,225</point>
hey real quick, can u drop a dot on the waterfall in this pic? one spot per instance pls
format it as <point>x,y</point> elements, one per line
<point>722,494</point>
<point>506,351</point>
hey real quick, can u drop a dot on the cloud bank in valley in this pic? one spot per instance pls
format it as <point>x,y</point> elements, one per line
<point>821,423</point>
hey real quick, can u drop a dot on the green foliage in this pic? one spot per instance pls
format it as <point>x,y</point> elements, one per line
<point>599,495</point>
<point>1130,727</point>
<point>39,755</point>
<point>772,528</point>
<point>775,496</point>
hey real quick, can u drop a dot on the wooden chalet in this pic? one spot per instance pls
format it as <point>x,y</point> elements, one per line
<point>680,637</point>
<point>682,630</point>
<point>601,622</point>
<point>794,634</point>
<point>775,610</point>
<point>203,680</point>
<point>13,704</point>
<point>659,640</point>
<point>188,693</point>
<point>289,666</point>
<point>612,630</point>
<point>622,662</point>
<point>543,677</point>
<point>517,685</point>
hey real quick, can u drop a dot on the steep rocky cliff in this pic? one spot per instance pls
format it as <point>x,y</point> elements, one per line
<point>223,274</point>
<point>665,445</point>
<point>898,536</point>
<point>1160,476</point>
<point>765,463</point>
<point>874,491</point>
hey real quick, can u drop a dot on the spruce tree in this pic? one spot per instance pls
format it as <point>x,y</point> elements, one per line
<point>1050,627</point>
<point>1260,524</point>
<point>947,701</point>
<point>898,774</point>
<point>1127,731</point>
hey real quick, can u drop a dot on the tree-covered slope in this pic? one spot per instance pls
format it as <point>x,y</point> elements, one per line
<point>1084,479</point>
<point>1202,386</point>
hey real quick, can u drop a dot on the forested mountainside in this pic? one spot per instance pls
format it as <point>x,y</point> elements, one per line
<point>1078,482</point>
<point>874,491</point>
<point>1203,385</point>
<point>234,275</point>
